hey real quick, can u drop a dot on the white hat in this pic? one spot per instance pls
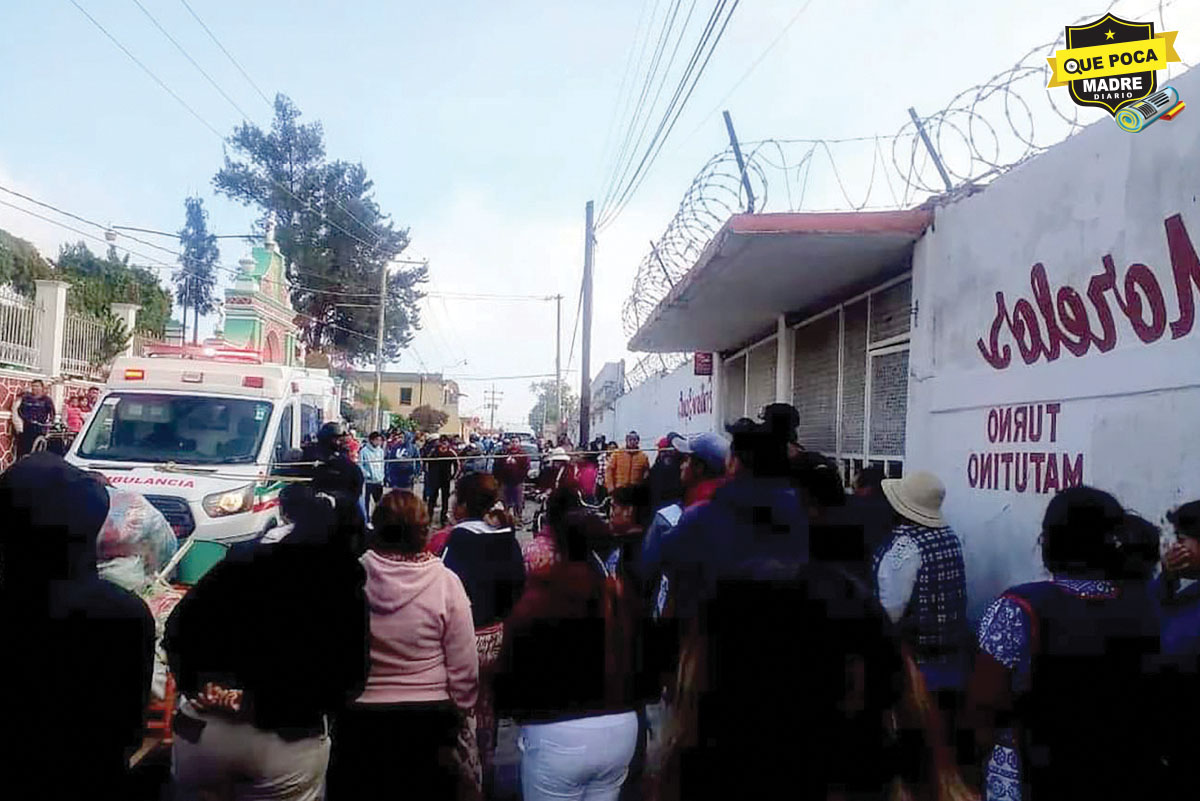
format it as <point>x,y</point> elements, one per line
<point>559,455</point>
<point>918,496</point>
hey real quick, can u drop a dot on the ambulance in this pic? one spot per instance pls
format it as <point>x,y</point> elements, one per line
<point>199,431</point>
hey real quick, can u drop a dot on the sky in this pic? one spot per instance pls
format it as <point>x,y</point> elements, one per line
<point>485,126</point>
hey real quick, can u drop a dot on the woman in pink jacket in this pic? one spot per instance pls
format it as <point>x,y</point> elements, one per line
<point>399,736</point>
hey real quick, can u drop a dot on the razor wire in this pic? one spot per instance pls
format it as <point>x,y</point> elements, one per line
<point>983,132</point>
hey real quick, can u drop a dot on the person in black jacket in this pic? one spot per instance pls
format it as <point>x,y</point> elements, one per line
<point>482,549</point>
<point>78,651</point>
<point>340,479</point>
<point>270,643</point>
<point>666,486</point>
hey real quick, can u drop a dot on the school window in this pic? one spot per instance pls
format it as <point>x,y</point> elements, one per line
<point>406,396</point>
<point>850,379</point>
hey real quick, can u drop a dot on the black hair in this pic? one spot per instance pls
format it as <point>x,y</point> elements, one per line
<point>871,477</point>
<point>373,435</point>
<point>578,533</point>
<point>294,499</point>
<point>637,496</point>
<point>819,478</point>
<point>844,739</point>
<point>1186,519</point>
<point>559,504</point>
<point>761,451</point>
<point>1082,532</point>
<point>1137,549</point>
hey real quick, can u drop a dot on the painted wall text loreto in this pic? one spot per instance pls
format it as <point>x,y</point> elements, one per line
<point>1039,470</point>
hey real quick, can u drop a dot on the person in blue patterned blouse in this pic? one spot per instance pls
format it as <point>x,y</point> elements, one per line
<point>1062,698</point>
<point>921,583</point>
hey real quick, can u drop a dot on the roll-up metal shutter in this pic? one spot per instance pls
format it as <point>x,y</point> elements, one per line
<point>760,377</point>
<point>733,399</point>
<point>889,402</point>
<point>891,311</point>
<point>815,382</point>
<point>854,377</point>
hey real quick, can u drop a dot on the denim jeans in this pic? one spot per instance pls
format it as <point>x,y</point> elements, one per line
<point>584,758</point>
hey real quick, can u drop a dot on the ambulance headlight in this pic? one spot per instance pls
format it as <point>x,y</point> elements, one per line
<point>233,502</point>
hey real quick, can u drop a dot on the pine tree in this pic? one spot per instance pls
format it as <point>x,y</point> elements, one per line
<point>196,279</point>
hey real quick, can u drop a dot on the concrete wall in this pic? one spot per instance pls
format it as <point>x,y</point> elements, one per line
<point>679,401</point>
<point>1125,412</point>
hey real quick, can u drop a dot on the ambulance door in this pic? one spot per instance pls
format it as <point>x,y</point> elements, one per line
<point>286,436</point>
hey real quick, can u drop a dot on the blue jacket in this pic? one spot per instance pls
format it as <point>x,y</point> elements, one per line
<point>750,529</point>
<point>371,458</point>
<point>403,474</point>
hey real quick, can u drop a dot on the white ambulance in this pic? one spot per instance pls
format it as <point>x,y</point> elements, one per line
<point>198,431</point>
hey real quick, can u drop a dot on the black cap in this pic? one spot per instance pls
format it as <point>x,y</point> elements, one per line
<point>782,418</point>
<point>744,425</point>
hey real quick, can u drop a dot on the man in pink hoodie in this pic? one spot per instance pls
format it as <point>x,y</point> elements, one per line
<point>399,734</point>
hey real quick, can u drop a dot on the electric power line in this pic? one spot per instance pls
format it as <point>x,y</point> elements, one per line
<point>693,72</point>
<point>625,76</point>
<point>615,188</point>
<point>148,71</point>
<point>575,328</point>
<point>628,142</point>
<point>176,235</point>
<point>228,55</point>
<point>307,204</point>
<point>157,263</point>
<point>753,66</point>
<point>188,56</point>
<point>246,118</point>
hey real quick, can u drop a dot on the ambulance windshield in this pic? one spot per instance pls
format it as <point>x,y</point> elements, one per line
<point>143,427</point>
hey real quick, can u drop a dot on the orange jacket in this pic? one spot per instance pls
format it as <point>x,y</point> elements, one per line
<point>624,468</point>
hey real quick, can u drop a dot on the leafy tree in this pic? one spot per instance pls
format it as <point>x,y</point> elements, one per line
<point>545,410</point>
<point>20,264</point>
<point>333,234</point>
<point>97,282</point>
<point>428,419</point>
<point>196,278</point>
<point>113,340</point>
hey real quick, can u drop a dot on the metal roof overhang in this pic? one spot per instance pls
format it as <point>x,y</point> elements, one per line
<point>759,266</point>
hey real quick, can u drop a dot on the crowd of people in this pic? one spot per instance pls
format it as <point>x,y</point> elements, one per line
<point>805,638</point>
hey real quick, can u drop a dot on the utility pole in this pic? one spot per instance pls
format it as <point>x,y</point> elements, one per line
<point>585,389</point>
<point>558,362</point>
<point>379,344</point>
<point>492,398</point>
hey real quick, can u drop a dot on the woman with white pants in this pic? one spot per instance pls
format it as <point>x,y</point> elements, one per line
<point>567,674</point>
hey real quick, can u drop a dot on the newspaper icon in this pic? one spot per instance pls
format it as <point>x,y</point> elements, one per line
<point>1163,104</point>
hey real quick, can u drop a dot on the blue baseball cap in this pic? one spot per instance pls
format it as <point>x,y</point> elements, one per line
<point>712,449</point>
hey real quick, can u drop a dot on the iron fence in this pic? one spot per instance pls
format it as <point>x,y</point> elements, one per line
<point>20,322</point>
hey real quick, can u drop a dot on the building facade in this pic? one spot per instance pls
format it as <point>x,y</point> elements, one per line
<point>258,308</point>
<point>404,392</point>
<point>678,401</point>
<point>1036,333</point>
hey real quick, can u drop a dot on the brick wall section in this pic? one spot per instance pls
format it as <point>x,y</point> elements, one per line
<point>10,387</point>
<point>815,380</point>
<point>854,377</point>
<point>889,403</point>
